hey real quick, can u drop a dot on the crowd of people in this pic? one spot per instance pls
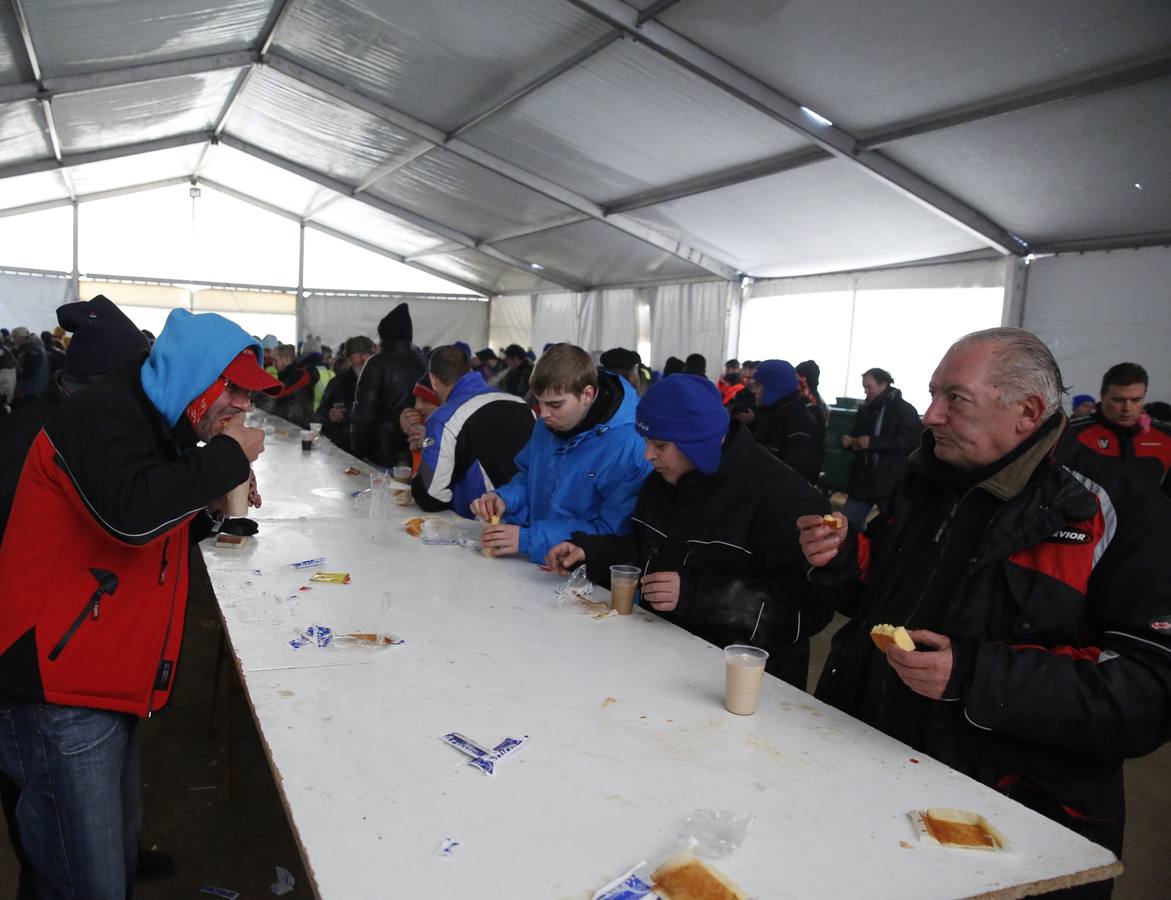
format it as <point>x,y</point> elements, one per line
<point>1020,547</point>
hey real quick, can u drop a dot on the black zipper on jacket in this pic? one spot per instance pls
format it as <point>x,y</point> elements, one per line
<point>166,635</point>
<point>107,584</point>
<point>163,567</point>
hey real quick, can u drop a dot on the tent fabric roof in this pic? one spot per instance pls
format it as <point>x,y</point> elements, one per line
<point>534,145</point>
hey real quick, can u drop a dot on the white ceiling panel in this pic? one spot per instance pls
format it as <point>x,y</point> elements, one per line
<point>442,62</point>
<point>628,120</point>
<point>22,132</point>
<point>295,121</point>
<point>1095,167</point>
<point>142,168</point>
<point>496,277</point>
<point>363,221</point>
<point>80,36</point>
<point>866,65</point>
<point>465,196</point>
<point>131,113</point>
<point>13,59</point>
<point>594,253</point>
<point>822,218</point>
<point>262,181</point>
<point>24,190</point>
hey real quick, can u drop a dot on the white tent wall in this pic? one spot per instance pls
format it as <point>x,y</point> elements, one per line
<point>336,317</point>
<point>609,318</point>
<point>1098,309</point>
<point>555,319</point>
<point>31,299</point>
<point>510,321</point>
<point>691,318</point>
<point>899,319</point>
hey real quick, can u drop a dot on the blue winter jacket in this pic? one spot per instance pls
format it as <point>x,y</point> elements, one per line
<point>587,483</point>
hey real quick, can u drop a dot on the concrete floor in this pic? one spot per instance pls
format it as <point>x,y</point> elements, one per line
<point>228,828</point>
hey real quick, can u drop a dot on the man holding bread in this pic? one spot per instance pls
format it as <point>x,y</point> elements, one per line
<point>1033,580</point>
<point>119,482</point>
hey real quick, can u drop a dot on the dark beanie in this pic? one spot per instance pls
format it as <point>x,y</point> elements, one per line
<point>687,411</point>
<point>673,366</point>
<point>104,339</point>
<point>396,325</point>
<point>779,379</point>
<point>465,347</point>
<point>619,359</point>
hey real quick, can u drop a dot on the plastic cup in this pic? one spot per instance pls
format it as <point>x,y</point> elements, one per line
<point>307,438</point>
<point>237,506</point>
<point>623,584</point>
<point>315,427</point>
<point>402,474</point>
<point>743,672</point>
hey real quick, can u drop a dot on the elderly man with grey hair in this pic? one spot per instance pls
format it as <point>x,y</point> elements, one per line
<point>1035,583</point>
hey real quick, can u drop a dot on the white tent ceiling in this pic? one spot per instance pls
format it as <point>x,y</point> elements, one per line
<point>528,145</point>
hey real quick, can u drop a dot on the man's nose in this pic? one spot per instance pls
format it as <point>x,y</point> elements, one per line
<point>935,413</point>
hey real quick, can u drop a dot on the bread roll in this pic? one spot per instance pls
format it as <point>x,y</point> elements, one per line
<point>885,635</point>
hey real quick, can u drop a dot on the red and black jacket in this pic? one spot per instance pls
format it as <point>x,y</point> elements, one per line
<point>1060,624</point>
<point>93,564</point>
<point>1145,449</point>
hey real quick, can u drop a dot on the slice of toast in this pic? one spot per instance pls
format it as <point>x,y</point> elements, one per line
<point>683,877</point>
<point>886,635</point>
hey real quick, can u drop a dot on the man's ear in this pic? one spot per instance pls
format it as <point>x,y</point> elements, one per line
<point>1032,413</point>
<point>589,392</point>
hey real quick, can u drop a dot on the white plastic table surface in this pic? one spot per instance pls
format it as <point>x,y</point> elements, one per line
<point>627,732</point>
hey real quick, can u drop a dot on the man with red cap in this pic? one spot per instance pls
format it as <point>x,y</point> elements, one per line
<point>118,484</point>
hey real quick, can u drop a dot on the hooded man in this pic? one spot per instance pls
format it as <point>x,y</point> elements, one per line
<point>115,490</point>
<point>710,533</point>
<point>581,469</point>
<point>384,391</point>
<point>783,423</point>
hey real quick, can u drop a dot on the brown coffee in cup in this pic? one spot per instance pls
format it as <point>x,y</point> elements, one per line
<point>623,584</point>
<point>743,673</point>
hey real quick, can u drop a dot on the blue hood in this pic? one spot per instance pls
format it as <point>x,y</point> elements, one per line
<point>192,351</point>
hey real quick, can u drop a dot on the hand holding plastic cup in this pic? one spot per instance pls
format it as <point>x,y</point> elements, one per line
<point>623,584</point>
<point>743,672</point>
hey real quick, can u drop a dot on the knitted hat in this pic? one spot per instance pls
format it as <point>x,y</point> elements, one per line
<point>779,380</point>
<point>486,354</point>
<point>104,339</point>
<point>396,325</point>
<point>1079,399</point>
<point>619,359</point>
<point>686,410</point>
<point>270,342</point>
<point>673,366</point>
<point>465,347</point>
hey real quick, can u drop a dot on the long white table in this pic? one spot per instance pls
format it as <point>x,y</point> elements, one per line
<point>627,732</point>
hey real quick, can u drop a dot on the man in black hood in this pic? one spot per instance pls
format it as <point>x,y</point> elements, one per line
<point>384,390</point>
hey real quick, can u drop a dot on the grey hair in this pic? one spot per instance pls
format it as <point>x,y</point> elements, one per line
<point>1024,366</point>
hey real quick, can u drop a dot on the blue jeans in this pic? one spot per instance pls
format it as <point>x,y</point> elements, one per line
<point>80,807</point>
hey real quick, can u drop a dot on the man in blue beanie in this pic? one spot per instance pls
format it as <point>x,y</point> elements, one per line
<point>119,483</point>
<point>1082,405</point>
<point>783,424</point>
<point>712,533</point>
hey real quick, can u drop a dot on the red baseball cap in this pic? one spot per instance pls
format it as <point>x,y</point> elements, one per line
<point>245,371</point>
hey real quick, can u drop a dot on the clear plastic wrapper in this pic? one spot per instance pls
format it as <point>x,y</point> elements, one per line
<point>575,597</point>
<point>714,834</point>
<point>447,531</point>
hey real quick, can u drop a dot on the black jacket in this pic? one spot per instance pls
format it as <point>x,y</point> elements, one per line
<point>19,432</point>
<point>340,390</point>
<point>731,538</point>
<point>385,389</point>
<point>1058,607</point>
<point>894,429</point>
<point>788,430</point>
<point>516,381</point>
<point>295,401</point>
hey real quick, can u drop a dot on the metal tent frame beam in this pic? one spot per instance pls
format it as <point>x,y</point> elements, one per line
<point>502,167</point>
<point>81,159</point>
<point>837,141</point>
<point>96,195</point>
<point>398,212</point>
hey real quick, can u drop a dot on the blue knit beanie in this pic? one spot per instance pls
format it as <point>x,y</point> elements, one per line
<point>686,410</point>
<point>778,378</point>
<point>1079,399</point>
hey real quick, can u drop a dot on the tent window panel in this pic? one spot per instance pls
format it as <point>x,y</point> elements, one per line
<point>39,240</point>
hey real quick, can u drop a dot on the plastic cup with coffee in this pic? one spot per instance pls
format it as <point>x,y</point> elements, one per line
<point>743,672</point>
<point>307,438</point>
<point>237,505</point>
<point>402,474</point>
<point>623,584</point>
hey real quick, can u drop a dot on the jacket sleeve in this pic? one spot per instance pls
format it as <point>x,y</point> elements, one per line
<point>133,493</point>
<point>904,436</point>
<point>605,550</point>
<point>1110,697</point>
<point>364,415</point>
<point>431,486</point>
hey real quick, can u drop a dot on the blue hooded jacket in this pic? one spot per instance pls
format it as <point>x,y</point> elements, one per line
<point>588,483</point>
<point>192,351</point>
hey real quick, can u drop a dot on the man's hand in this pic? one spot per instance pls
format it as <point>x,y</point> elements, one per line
<point>416,434</point>
<point>847,442</point>
<point>251,440</point>
<point>926,672</point>
<point>819,542</point>
<point>661,590</point>
<point>501,540</point>
<point>563,558</point>
<point>408,417</point>
<point>862,442</point>
<point>253,493</point>
<point>488,506</point>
